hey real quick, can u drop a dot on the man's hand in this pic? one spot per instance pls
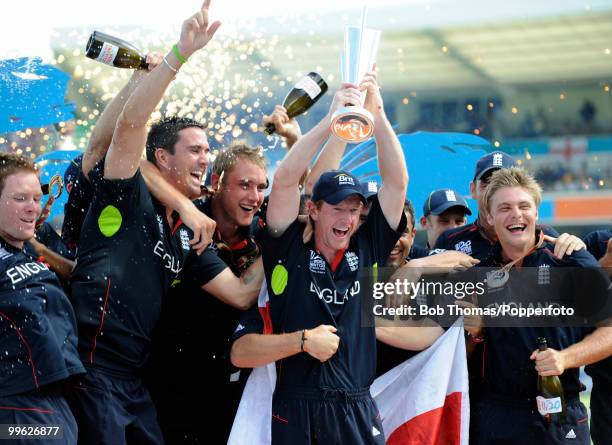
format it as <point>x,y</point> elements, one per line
<point>153,60</point>
<point>285,127</point>
<point>203,227</point>
<point>347,94</point>
<point>449,259</point>
<point>373,101</point>
<point>566,244</point>
<point>472,323</point>
<point>549,362</point>
<point>321,342</point>
<point>196,33</point>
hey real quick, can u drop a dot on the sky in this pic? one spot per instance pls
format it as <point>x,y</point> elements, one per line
<point>29,24</point>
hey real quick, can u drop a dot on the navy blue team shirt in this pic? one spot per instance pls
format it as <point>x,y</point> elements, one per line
<point>38,340</point>
<point>508,369</point>
<point>128,258</point>
<point>305,292</point>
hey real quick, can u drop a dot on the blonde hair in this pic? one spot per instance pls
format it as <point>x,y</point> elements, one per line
<point>511,177</point>
<point>227,159</point>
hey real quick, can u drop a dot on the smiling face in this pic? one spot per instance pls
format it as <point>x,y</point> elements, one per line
<point>335,224</point>
<point>240,193</point>
<point>20,203</point>
<point>513,213</point>
<point>185,169</point>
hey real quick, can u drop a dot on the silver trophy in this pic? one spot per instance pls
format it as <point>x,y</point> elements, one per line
<point>353,123</point>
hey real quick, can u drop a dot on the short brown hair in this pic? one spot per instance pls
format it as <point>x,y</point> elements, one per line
<point>511,177</point>
<point>227,159</point>
<point>11,163</point>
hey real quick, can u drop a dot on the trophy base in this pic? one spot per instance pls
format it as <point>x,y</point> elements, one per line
<point>352,124</point>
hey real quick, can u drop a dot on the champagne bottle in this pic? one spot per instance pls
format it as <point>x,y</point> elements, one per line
<point>304,95</point>
<point>114,51</point>
<point>551,399</point>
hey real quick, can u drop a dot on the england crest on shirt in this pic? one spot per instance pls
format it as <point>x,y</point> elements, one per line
<point>352,260</point>
<point>184,239</point>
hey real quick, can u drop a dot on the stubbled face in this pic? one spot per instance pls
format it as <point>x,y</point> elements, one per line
<point>20,203</point>
<point>335,224</point>
<point>513,214</point>
<point>241,192</point>
<point>403,245</point>
<point>186,168</point>
<point>437,224</point>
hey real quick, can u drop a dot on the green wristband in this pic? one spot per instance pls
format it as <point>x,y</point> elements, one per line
<point>178,54</point>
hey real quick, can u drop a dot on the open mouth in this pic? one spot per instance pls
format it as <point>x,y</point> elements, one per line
<point>516,228</point>
<point>340,233</point>
<point>28,221</point>
<point>197,175</point>
<point>247,208</point>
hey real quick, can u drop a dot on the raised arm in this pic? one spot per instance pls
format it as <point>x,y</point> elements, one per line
<point>284,201</point>
<point>102,133</point>
<point>329,159</point>
<point>391,160</point>
<point>286,128</point>
<point>130,133</point>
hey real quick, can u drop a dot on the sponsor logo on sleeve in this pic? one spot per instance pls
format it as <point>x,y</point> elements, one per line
<point>464,246</point>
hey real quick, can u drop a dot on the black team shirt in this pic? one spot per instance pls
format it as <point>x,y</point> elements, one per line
<point>128,258</point>
<point>190,360</point>
<point>305,291</point>
<point>38,340</point>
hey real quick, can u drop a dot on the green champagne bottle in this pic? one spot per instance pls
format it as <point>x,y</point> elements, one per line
<point>304,95</point>
<point>114,52</point>
<point>551,399</point>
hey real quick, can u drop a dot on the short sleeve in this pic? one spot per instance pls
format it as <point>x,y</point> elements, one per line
<point>377,232</point>
<point>200,269</point>
<point>278,248</point>
<point>123,194</point>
